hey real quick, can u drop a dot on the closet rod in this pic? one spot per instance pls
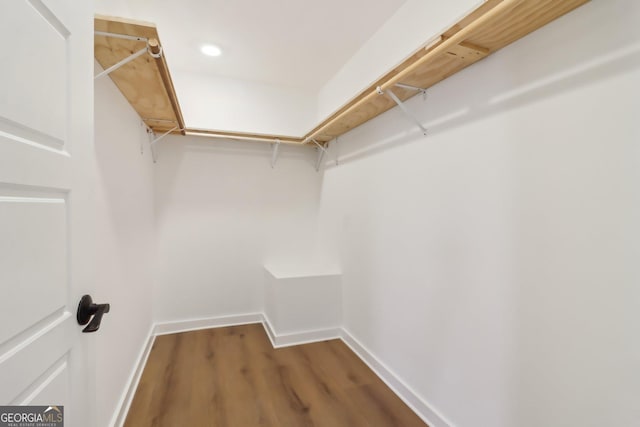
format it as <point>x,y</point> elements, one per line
<point>241,137</point>
<point>439,49</point>
<point>156,52</point>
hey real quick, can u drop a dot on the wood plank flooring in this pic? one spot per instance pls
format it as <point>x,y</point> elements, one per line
<point>234,377</point>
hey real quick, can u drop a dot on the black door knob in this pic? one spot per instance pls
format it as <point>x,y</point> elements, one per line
<point>86,309</point>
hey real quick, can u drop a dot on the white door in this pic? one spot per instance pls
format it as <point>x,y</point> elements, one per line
<point>46,175</point>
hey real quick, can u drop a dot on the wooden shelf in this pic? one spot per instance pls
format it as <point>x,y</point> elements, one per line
<point>146,82</point>
<point>494,25</point>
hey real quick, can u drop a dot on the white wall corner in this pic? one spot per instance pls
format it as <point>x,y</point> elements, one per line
<point>268,329</point>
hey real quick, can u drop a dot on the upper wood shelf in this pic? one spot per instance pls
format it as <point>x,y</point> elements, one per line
<point>489,28</point>
<point>145,81</point>
<point>492,26</point>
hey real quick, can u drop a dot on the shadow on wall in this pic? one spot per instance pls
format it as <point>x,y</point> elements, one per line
<point>568,66</point>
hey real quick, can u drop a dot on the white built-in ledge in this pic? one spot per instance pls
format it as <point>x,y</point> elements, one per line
<point>301,299</point>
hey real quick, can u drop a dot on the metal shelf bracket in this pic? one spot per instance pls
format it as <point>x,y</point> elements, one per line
<point>321,152</point>
<point>130,57</point>
<point>402,106</point>
<point>274,152</point>
<point>154,141</point>
<point>415,88</point>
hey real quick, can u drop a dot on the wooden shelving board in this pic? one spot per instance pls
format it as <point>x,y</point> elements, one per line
<point>145,81</point>
<point>494,25</point>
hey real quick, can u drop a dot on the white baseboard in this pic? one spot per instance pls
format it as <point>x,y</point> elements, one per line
<point>122,408</point>
<point>269,330</point>
<point>424,410</point>
<point>297,338</point>
<point>165,328</point>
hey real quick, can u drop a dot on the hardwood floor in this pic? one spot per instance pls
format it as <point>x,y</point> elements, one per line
<point>234,377</point>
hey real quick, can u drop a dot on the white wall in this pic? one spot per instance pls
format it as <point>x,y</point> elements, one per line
<point>413,25</point>
<point>222,212</point>
<point>125,238</point>
<point>220,103</point>
<point>493,265</point>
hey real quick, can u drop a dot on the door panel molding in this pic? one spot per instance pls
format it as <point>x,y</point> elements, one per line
<point>51,18</point>
<point>23,134</point>
<point>39,353</point>
<point>46,388</point>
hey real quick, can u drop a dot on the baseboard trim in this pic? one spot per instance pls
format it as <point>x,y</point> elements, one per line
<point>423,409</point>
<point>122,408</point>
<point>266,324</point>
<point>297,338</point>
<point>165,328</point>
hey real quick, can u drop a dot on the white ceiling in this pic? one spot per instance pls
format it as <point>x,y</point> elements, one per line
<point>295,43</point>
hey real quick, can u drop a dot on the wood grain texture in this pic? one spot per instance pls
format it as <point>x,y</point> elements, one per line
<point>234,377</point>
<point>145,81</point>
<point>492,26</point>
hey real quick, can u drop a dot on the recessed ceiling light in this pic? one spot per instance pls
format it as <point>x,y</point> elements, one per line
<point>210,50</point>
